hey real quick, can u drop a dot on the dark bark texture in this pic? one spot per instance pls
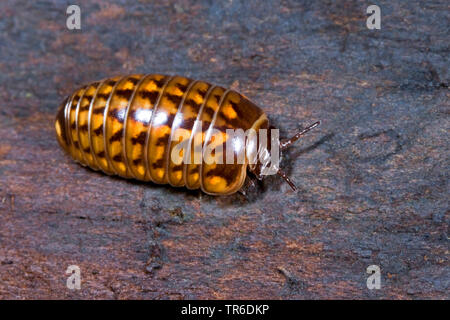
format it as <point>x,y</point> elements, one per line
<point>373,178</point>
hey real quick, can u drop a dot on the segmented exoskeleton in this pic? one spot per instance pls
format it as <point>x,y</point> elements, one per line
<point>125,126</point>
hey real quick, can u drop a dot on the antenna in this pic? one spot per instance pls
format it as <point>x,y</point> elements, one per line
<point>286,178</point>
<point>287,142</point>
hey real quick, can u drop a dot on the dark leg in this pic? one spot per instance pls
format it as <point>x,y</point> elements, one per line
<point>248,185</point>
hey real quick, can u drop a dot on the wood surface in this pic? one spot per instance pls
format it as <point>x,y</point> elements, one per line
<point>373,178</point>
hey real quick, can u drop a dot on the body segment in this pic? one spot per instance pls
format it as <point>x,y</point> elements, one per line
<point>126,126</point>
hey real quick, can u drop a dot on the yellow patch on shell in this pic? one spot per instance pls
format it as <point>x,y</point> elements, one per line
<point>229,112</point>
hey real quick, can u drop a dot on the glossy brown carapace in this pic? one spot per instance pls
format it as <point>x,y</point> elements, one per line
<point>130,125</point>
<point>123,126</point>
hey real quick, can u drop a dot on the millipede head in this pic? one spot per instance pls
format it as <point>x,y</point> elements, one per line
<point>284,144</point>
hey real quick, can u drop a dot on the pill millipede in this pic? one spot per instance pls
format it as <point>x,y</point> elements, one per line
<point>125,126</point>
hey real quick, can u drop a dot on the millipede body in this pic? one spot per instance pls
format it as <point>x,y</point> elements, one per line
<point>125,126</point>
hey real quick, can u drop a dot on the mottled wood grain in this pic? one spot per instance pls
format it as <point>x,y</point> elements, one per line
<point>373,178</point>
